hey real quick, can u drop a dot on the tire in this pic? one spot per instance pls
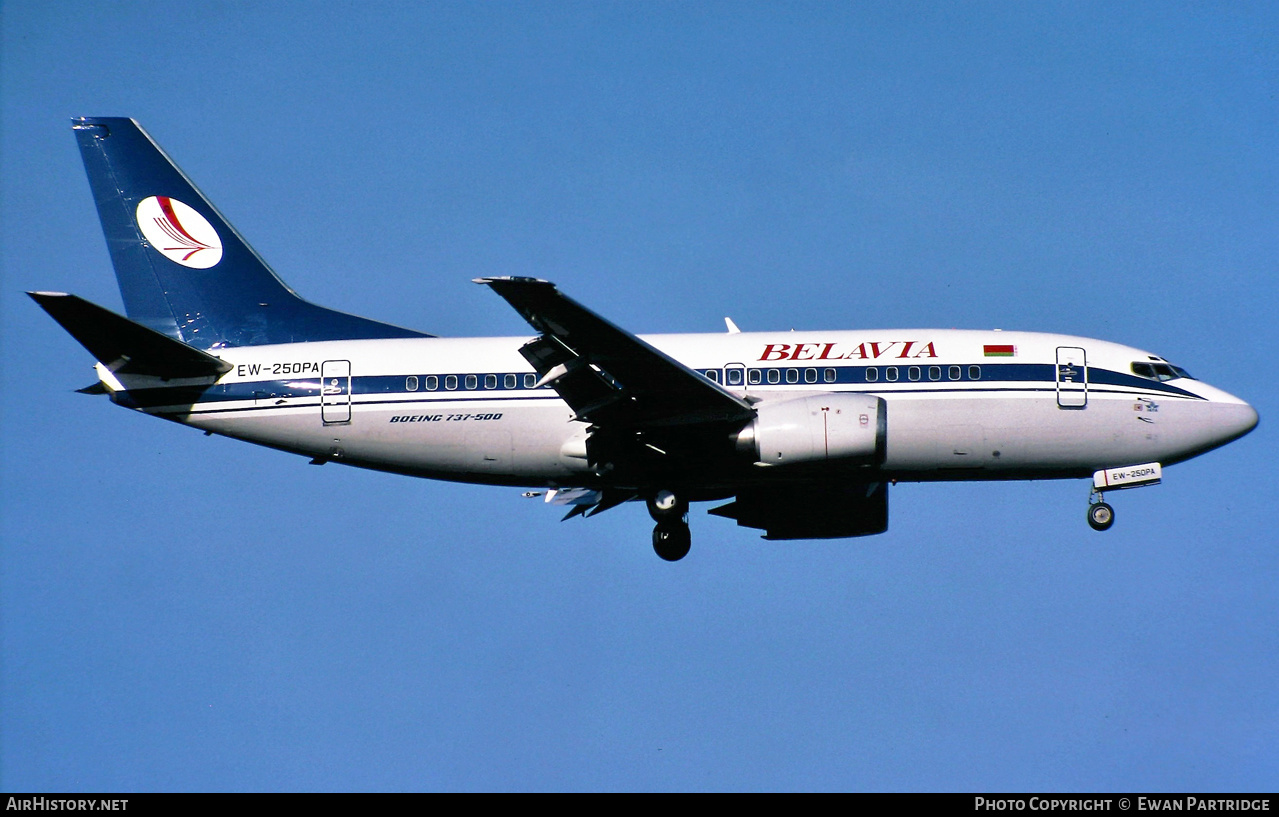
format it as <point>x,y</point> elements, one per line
<point>672,541</point>
<point>1101,516</point>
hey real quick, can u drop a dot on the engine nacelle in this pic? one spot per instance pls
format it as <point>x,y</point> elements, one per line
<point>850,428</point>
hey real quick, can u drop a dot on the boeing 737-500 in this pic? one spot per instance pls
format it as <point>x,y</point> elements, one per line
<point>799,434</point>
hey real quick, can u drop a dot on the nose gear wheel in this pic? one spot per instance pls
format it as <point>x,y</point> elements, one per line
<point>1100,515</point>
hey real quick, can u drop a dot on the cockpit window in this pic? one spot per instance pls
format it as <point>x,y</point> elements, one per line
<point>1159,371</point>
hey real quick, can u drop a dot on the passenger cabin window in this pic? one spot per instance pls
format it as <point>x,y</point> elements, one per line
<point>530,380</point>
<point>913,372</point>
<point>810,375</point>
<point>934,372</point>
<point>774,376</point>
<point>712,375</point>
<point>974,373</point>
<point>472,381</point>
<point>450,382</point>
<point>410,382</point>
<point>510,381</point>
<point>955,372</point>
<point>490,381</point>
<point>754,377</point>
<point>432,382</point>
<point>734,377</point>
<point>792,375</point>
<point>829,375</point>
<point>891,374</point>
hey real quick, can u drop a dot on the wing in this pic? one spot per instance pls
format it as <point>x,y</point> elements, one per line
<point>609,377</point>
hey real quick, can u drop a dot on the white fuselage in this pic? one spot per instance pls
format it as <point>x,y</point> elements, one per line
<point>959,404</point>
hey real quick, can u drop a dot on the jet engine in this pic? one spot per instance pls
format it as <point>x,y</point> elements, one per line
<point>825,428</point>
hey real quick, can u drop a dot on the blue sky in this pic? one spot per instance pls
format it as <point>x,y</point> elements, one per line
<point>191,613</point>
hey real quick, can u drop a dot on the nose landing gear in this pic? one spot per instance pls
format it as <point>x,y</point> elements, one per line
<point>671,536</point>
<point>1100,515</point>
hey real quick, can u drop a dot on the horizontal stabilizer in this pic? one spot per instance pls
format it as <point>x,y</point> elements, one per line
<point>126,347</point>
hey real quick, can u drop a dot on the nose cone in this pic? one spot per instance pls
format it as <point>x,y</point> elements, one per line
<point>1232,420</point>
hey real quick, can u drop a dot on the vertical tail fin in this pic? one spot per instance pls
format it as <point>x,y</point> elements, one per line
<point>183,270</point>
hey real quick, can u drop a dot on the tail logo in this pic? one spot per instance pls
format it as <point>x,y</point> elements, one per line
<point>179,233</point>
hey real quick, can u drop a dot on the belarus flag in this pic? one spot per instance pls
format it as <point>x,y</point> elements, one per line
<point>993,350</point>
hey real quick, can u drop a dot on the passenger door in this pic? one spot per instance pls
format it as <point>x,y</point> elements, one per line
<point>1072,377</point>
<point>335,391</point>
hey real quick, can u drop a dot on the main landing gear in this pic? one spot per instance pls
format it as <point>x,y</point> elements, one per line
<point>1100,515</point>
<point>672,540</point>
<point>671,536</point>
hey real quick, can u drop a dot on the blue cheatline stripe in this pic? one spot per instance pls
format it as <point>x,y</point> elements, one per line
<point>406,404</point>
<point>395,386</point>
<point>298,388</point>
<point>989,373</point>
<point>164,398</point>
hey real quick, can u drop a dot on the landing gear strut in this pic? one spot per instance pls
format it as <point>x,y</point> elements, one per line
<point>1100,515</point>
<point>671,536</point>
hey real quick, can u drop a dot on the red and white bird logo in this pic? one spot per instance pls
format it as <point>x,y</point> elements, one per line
<point>179,233</point>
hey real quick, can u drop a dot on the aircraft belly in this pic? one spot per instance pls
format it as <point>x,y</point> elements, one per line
<point>444,440</point>
<point>291,429</point>
<point>474,438</point>
<point>996,437</point>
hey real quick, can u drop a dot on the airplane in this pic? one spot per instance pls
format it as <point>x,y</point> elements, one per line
<point>799,434</point>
